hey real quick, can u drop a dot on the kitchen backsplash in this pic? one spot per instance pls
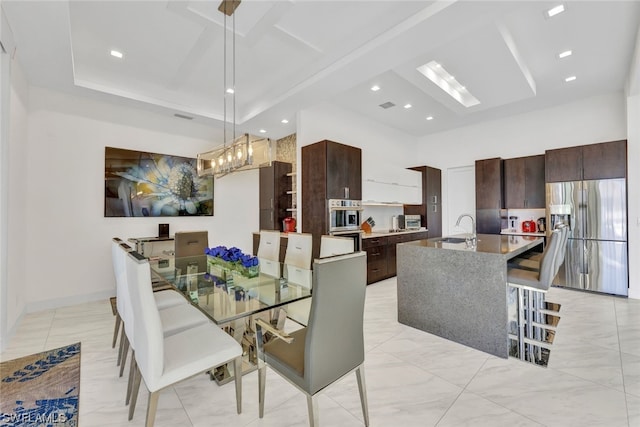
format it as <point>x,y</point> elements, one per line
<point>381,215</point>
<point>525,215</point>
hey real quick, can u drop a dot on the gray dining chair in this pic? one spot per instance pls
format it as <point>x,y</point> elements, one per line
<point>307,358</point>
<point>531,286</point>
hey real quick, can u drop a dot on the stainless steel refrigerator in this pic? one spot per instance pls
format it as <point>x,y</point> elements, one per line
<point>596,211</point>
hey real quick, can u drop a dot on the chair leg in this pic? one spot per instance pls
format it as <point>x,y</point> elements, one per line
<point>312,406</point>
<point>520,324</point>
<point>125,350</point>
<point>262,377</point>
<point>121,346</point>
<point>132,373</point>
<point>152,408</point>
<point>137,376</point>
<point>115,330</point>
<point>363,394</point>
<point>237,372</point>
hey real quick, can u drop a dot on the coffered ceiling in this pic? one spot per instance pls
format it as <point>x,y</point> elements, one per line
<point>291,55</point>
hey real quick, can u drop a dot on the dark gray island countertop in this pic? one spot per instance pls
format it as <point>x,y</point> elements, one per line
<point>458,293</point>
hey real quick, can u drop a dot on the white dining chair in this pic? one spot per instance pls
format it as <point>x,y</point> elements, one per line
<point>164,299</point>
<point>166,360</point>
<point>297,269</point>
<point>269,252</point>
<point>335,245</point>
<point>175,319</point>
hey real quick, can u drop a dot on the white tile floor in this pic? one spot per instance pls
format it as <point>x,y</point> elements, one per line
<point>413,378</point>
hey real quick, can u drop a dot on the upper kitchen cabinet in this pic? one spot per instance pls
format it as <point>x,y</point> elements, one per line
<point>596,161</point>
<point>430,208</point>
<point>524,180</point>
<point>274,199</point>
<point>392,185</point>
<point>605,160</point>
<point>344,170</point>
<point>489,176</point>
<point>489,197</point>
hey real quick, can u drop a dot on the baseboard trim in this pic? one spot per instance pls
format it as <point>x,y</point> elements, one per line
<point>49,304</point>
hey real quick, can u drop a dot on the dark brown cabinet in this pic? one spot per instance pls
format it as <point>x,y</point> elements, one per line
<point>489,195</point>
<point>606,160</point>
<point>274,200</point>
<point>431,208</point>
<point>330,170</point>
<point>381,254</point>
<point>376,249</point>
<point>524,182</point>
<point>595,161</point>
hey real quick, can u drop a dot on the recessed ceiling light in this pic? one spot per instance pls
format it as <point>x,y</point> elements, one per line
<point>570,79</point>
<point>555,10</point>
<point>262,131</point>
<point>375,88</point>
<point>117,54</point>
<point>230,90</point>
<point>407,106</point>
<point>285,121</point>
<point>445,81</point>
<point>430,118</point>
<point>565,54</point>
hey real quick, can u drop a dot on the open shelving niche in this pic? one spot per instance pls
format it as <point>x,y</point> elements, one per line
<point>294,194</point>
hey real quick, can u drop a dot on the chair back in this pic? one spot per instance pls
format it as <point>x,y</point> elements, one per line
<point>147,325</point>
<point>269,252</point>
<point>548,263</point>
<point>562,249</point>
<point>334,343</point>
<point>190,243</point>
<point>119,251</point>
<point>333,245</point>
<point>299,247</point>
<point>269,247</point>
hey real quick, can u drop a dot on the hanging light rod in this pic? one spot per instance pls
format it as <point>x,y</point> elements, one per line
<point>229,6</point>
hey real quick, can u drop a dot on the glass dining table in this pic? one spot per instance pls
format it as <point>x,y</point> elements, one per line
<point>233,300</point>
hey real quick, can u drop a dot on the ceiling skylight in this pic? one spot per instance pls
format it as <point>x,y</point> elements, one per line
<point>445,81</point>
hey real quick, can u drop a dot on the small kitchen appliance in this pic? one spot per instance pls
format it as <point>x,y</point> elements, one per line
<point>513,221</point>
<point>529,226</point>
<point>412,222</point>
<point>289,225</point>
<point>542,225</point>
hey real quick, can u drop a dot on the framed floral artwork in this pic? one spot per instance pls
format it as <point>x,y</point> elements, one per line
<point>139,184</point>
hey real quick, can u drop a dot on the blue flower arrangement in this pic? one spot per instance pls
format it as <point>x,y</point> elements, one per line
<point>234,259</point>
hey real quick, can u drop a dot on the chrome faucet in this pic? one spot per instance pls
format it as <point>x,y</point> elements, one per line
<point>473,224</point>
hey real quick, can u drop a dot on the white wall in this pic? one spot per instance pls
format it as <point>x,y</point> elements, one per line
<point>17,198</point>
<point>633,191</point>
<point>68,236</point>
<point>381,146</point>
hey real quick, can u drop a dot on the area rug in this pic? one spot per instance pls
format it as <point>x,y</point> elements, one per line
<point>42,389</point>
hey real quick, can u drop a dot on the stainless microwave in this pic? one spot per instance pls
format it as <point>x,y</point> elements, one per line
<point>412,222</point>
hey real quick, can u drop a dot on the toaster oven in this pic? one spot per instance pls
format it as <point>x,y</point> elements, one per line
<point>412,222</point>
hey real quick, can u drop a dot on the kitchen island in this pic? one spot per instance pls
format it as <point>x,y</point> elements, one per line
<point>457,293</point>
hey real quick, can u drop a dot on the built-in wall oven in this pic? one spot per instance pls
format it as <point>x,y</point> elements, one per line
<point>344,219</point>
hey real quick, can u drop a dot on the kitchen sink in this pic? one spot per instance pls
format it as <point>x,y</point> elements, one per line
<point>452,240</point>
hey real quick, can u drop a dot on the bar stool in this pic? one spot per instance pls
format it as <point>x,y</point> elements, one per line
<point>531,287</point>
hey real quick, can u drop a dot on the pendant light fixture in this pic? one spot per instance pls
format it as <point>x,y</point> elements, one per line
<point>245,151</point>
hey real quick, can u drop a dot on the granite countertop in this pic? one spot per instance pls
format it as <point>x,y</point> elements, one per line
<point>374,234</point>
<point>505,245</point>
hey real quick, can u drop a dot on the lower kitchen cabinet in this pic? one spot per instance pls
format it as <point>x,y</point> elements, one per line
<point>381,254</point>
